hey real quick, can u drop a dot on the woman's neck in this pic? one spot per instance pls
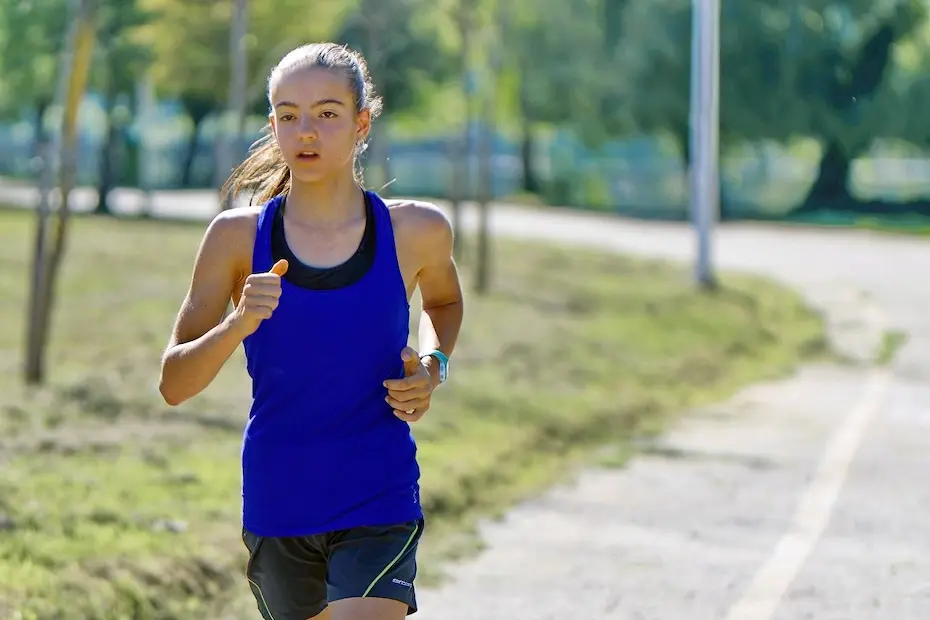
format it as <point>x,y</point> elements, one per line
<point>332,201</point>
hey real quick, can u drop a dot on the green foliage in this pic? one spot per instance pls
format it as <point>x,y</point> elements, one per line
<point>190,43</point>
<point>186,40</point>
<point>32,34</point>
<point>123,58</point>
<point>405,55</point>
<point>847,73</point>
<point>787,68</point>
<point>557,54</point>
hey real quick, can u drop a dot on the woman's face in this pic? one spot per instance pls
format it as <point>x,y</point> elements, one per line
<point>315,123</point>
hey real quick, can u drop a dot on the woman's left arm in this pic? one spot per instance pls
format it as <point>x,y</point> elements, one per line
<point>440,288</point>
<point>426,238</point>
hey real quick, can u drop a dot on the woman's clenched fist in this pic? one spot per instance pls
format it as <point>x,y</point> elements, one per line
<point>259,298</point>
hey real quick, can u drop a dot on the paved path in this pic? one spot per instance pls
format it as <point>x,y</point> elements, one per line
<point>803,499</point>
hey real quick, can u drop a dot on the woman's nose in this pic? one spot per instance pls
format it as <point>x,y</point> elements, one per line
<point>307,128</point>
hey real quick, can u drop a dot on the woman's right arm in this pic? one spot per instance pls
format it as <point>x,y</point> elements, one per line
<point>202,340</point>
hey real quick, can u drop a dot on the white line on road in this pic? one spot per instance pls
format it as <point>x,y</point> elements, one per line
<point>761,599</point>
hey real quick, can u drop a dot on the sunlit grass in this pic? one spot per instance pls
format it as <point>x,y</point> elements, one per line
<point>114,506</point>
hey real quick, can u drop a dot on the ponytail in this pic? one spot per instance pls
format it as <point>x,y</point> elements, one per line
<point>264,171</point>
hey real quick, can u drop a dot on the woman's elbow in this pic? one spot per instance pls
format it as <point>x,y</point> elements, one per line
<point>173,397</point>
<point>169,386</point>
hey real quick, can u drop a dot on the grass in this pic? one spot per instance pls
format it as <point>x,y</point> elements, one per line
<point>918,226</point>
<point>114,506</point>
<point>892,341</point>
<point>913,224</point>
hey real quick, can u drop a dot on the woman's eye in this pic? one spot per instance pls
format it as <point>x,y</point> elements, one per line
<point>287,117</point>
<point>328,114</point>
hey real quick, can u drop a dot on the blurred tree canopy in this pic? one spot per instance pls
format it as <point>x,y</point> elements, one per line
<point>789,68</point>
<point>32,35</point>
<point>846,73</point>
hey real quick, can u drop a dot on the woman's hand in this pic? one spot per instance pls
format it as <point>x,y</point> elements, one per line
<point>410,396</point>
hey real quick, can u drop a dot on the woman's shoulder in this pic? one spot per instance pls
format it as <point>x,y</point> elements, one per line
<point>418,215</point>
<point>236,222</point>
<point>231,234</point>
<point>419,223</point>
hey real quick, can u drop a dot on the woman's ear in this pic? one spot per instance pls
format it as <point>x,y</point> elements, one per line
<point>363,126</point>
<point>273,125</point>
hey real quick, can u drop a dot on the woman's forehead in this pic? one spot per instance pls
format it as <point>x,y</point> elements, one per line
<point>310,84</point>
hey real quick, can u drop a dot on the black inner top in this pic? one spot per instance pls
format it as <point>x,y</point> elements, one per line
<point>325,278</point>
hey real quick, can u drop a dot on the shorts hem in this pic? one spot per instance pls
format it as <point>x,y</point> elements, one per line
<point>408,599</point>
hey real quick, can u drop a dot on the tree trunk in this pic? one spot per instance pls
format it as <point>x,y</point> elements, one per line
<point>40,138</point>
<point>528,160</point>
<point>34,362</point>
<point>197,109</point>
<point>33,366</point>
<point>75,70</point>
<point>530,181</point>
<point>237,101</point>
<point>193,141</point>
<point>830,189</point>
<point>459,145</point>
<point>485,189</point>
<point>379,142</point>
<point>384,150</point>
<point>486,185</point>
<point>377,154</point>
<point>108,156</point>
<point>454,149</point>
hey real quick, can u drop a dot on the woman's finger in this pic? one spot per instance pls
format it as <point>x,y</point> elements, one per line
<point>407,405</point>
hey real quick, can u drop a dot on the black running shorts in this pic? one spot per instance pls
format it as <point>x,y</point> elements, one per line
<point>295,578</point>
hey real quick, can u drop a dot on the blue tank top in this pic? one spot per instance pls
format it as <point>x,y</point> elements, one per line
<point>322,450</point>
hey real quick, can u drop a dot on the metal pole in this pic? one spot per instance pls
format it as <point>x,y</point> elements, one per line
<point>705,119</point>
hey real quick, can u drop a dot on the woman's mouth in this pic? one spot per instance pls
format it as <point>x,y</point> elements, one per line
<point>307,155</point>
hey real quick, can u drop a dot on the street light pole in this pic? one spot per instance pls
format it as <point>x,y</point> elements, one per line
<point>705,131</point>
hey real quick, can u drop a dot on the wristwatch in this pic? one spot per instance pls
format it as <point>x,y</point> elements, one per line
<point>443,361</point>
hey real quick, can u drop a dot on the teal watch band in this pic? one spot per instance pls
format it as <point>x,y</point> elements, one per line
<point>443,360</point>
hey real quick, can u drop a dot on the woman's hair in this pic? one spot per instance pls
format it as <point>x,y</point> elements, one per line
<point>264,171</point>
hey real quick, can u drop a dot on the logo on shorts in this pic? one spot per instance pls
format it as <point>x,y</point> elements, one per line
<point>402,583</point>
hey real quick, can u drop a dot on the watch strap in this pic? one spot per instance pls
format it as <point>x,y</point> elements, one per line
<point>443,360</point>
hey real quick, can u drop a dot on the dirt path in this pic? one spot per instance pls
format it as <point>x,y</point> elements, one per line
<point>800,499</point>
<point>682,532</point>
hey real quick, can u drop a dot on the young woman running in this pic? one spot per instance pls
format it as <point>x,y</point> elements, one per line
<point>320,276</point>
